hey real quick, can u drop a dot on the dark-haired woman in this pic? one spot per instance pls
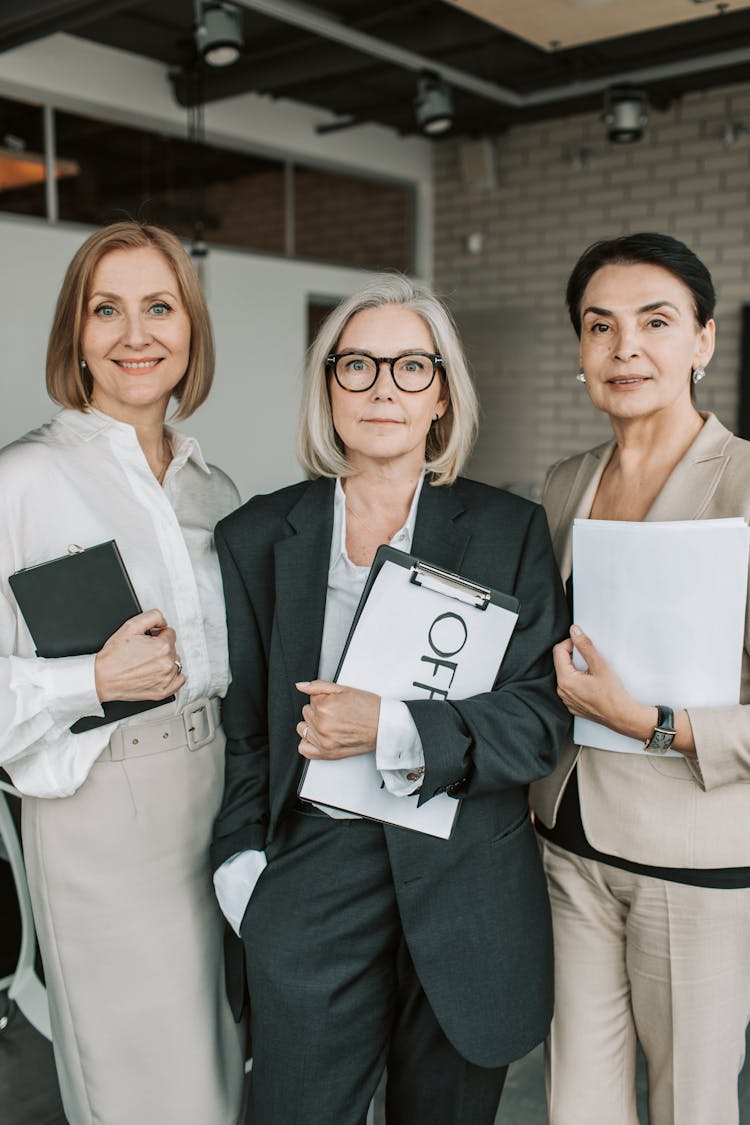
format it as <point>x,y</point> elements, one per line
<point>647,858</point>
<point>117,819</point>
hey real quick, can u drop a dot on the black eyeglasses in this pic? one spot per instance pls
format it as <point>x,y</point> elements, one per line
<point>358,371</point>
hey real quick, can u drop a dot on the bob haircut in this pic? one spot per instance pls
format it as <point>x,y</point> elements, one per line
<point>650,249</point>
<point>68,383</point>
<point>450,438</point>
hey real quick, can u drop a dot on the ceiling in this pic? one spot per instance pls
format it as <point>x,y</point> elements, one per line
<point>506,61</point>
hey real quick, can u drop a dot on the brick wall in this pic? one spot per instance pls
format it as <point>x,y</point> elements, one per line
<point>348,220</point>
<point>337,218</point>
<point>542,212</point>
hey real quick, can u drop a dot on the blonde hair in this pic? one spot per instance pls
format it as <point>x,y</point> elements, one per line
<point>71,385</point>
<point>450,438</point>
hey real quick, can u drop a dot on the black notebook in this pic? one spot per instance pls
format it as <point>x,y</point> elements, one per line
<point>72,605</point>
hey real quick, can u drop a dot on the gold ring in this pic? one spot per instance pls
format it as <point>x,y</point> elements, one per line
<point>178,666</point>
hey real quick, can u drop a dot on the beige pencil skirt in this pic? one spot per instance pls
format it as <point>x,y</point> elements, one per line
<point>132,938</point>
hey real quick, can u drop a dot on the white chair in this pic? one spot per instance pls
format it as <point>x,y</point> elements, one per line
<point>26,990</point>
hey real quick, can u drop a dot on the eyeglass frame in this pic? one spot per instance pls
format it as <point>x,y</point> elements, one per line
<point>437,365</point>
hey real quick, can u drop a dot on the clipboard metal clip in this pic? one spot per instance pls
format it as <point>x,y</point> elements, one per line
<point>451,585</point>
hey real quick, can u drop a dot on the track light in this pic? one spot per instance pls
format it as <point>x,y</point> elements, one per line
<point>433,105</point>
<point>218,32</point>
<point>625,114</point>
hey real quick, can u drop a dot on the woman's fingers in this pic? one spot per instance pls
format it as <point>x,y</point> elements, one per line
<point>585,646</point>
<point>139,661</point>
<point>143,623</point>
<point>562,655</point>
<point>339,723</point>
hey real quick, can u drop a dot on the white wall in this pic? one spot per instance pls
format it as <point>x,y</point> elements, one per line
<point>258,303</point>
<point>258,306</point>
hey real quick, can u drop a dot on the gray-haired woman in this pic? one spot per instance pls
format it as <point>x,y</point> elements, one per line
<point>368,944</point>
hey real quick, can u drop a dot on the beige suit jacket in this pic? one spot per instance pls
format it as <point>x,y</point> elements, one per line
<point>663,811</point>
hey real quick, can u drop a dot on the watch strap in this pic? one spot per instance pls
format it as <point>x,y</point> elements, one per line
<point>664,732</point>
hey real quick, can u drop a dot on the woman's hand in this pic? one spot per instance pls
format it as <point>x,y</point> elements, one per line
<point>338,722</point>
<point>135,665</point>
<point>598,693</point>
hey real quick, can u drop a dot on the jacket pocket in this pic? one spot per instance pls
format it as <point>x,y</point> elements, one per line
<point>510,830</point>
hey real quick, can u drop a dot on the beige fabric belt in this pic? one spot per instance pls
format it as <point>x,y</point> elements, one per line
<point>194,727</point>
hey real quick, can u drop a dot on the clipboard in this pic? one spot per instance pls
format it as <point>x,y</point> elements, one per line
<point>419,632</point>
<point>72,605</point>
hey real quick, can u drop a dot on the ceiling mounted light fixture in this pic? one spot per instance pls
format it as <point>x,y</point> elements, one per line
<point>433,105</point>
<point>625,114</point>
<point>218,32</point>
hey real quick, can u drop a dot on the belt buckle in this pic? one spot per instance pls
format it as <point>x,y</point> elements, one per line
<point>199,726</point>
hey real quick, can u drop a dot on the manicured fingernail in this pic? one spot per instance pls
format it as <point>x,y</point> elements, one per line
<point>575,631</point>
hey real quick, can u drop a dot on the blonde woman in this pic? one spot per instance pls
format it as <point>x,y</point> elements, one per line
<point>117,819</point>
<point>368,945</point>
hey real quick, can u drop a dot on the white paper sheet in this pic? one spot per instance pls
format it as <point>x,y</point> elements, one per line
<point>410,641</point>
<point>665,605</point>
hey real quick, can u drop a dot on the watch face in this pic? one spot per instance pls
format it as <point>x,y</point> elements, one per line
<point>661,741</point>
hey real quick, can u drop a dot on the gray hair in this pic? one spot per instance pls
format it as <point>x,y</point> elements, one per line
<point>450,439</point>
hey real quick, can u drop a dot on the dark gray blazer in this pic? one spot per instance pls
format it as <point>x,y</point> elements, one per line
<point>474,908</point>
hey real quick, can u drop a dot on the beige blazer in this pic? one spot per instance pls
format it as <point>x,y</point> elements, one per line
<point>663,811</point>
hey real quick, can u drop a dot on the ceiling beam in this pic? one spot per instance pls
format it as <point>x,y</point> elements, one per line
<point>25,20</point>
<point>326,26</point>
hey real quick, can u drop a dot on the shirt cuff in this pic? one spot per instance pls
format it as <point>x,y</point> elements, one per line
<point>234,883</point>
<point>68,684</point>
<point>399,755</point>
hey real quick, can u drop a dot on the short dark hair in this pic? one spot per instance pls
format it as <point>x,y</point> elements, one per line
<point>651,249</point>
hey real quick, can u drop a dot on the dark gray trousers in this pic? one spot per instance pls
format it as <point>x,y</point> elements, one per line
<point>334,996</point>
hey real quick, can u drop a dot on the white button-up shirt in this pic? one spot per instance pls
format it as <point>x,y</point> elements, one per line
<point>83,479</point>
<point>398,748</point>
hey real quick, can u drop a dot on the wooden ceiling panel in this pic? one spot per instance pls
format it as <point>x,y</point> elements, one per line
<point>552,24</point>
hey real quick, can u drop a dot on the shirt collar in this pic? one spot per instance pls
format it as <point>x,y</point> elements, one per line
<point>89,423</point>
<point>338,539</point>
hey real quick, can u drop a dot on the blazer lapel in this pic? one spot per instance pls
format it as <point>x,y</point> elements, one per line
<point>437,538</point>
<point>301,564</point>
<point>685,496</point>
<point>692,483</point>
<point>578,504</point>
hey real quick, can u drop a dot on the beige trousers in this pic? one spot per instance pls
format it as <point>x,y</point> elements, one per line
<point>663,962</point>
<point>132,941</point>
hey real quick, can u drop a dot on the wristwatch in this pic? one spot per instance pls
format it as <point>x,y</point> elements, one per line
<point>663,733</point>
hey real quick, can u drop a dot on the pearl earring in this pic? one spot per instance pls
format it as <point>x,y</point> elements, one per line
<point>83,365</point>
<point>581,377</point>
<point>698,374</point>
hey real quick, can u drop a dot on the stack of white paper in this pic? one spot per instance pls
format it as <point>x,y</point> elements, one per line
<point>664,603</point>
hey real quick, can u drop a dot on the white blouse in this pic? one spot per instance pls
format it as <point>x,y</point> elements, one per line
<point>83,479</point>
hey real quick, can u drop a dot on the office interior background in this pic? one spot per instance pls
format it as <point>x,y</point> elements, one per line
<point>478,144</point>
<point>302,165</point>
